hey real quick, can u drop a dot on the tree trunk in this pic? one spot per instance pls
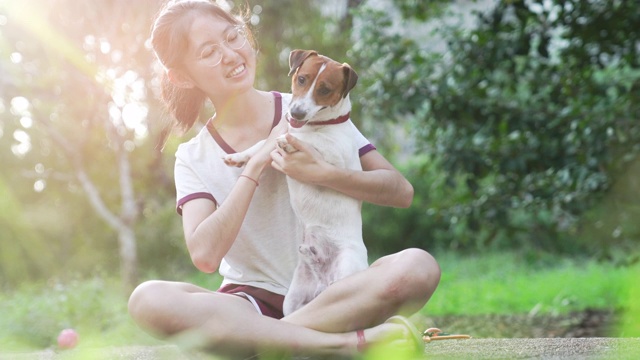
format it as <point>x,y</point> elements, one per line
<point>122,223</point>
<point>128,257</point>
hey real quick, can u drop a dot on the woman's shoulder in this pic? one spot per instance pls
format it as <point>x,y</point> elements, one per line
<point>194,145</point>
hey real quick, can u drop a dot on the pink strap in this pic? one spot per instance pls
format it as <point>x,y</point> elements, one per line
<point>362,343</point>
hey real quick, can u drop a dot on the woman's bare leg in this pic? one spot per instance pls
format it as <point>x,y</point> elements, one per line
<point>393,284</point>
<point>225,323</point>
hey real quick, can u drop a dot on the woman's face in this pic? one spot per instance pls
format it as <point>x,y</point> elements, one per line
<point>212,39</point>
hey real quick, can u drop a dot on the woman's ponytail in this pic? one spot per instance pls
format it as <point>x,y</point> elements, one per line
<point>183,104</point>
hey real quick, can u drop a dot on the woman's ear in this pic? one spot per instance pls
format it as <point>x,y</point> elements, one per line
<point>179,79</point>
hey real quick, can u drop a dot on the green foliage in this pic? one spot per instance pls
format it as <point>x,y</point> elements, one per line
<point>533,112</point>
<point>34,315</point>
<point>305,28</point>
<point>161,241</point>
<point>430,221</point>
<point>523,134</point>
<point>20,255</point>
<point>420,9</point>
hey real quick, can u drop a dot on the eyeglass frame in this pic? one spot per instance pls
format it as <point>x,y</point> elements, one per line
<point>241,31</point>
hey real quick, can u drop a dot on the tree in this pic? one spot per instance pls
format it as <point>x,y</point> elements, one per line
<point>81,94</point>
<point>533,113</point>
<point>79,76</point>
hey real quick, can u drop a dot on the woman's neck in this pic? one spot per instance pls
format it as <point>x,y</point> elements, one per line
<point>240,110</point>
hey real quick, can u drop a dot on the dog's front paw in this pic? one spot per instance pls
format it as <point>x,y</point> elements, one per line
<point>237,159</point>
<point>284,145</point>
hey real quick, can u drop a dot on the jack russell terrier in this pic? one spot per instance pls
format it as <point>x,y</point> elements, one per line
<point>332,246</point>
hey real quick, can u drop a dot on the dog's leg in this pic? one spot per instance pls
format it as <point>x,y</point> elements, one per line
<point>284,145</point>
<point>241,158</point>
<point>311,277</point>
<point>300,292</point>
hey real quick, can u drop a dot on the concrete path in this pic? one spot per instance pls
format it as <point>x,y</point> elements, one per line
<point>476,349</point>
<point>553,348</point>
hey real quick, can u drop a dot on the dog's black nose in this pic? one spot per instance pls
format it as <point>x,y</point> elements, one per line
<point>298,114</point>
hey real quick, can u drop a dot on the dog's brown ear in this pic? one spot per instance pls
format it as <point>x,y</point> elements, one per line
<point>350,79</point>
<point>297,57</point>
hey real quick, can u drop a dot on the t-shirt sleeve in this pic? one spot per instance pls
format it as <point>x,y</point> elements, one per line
<point>189,186</point>
<point>364,145</point>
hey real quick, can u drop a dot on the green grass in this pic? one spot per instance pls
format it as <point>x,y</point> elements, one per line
<point>96,308</point>
<point>505,283</point>
<point>509,283</point>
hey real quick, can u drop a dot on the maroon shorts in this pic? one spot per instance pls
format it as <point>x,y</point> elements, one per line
<point>268,303</point>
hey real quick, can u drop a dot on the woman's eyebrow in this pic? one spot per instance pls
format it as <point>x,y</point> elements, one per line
<point>200,47</point>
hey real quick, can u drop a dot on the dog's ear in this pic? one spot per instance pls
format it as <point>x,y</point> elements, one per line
<point>297,57</point>
<point>350,79</point>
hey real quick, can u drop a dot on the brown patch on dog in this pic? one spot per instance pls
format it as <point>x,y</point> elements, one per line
<point>331,85</point>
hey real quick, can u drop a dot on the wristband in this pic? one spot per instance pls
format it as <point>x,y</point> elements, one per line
<point>255,181</point>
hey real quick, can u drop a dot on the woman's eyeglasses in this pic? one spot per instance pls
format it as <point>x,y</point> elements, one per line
<point>211,55</point>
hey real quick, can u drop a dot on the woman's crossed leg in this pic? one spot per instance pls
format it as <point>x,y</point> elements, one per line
<point>228,324</point>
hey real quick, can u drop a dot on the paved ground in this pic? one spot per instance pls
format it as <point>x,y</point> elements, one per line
<point>476,349</point>
<point>552,348</point>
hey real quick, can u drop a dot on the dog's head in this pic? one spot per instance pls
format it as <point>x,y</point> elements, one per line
<point>318,83</point>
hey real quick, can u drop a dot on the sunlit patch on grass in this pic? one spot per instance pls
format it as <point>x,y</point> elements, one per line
<point>630,321</point>
<point>386,351</point>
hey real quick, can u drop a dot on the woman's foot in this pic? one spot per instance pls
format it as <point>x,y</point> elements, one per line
<point>397,332</point>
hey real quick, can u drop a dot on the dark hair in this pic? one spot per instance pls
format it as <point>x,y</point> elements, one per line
<point>169,39</point>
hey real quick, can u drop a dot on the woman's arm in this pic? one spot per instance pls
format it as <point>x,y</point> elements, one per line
<point>379,182</point>
<point>210,232</point>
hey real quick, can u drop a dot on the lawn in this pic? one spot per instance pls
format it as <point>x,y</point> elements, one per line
<point>502,283</point>
<point>510,283</point>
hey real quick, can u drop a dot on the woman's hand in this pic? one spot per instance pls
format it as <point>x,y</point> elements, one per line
<point>305,165</point>
<point>378,182</point>
<point>263,156</point>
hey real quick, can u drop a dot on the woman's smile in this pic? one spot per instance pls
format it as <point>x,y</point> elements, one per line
<point>236,71</point>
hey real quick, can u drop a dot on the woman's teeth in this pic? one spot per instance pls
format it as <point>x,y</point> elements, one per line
<point>236,71</point>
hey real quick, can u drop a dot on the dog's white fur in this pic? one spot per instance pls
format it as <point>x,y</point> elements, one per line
<point>332,246</point>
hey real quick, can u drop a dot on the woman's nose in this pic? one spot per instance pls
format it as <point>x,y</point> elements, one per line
<point>228,54</point>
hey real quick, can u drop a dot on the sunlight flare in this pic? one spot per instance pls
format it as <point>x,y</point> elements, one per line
<point>34,21</point>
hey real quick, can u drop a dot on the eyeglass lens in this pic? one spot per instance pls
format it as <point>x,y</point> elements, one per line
<point>212,54</point>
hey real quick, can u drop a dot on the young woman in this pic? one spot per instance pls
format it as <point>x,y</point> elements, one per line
<point>238,221</point>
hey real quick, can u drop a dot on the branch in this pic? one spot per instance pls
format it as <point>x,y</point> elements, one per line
<point>89,187</point>
<point>129,209</point>
<point>96,200</point>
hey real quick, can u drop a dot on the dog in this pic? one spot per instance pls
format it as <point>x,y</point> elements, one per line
<point>332,247</point>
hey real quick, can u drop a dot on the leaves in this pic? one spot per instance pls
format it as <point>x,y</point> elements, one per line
<point>534,112</point>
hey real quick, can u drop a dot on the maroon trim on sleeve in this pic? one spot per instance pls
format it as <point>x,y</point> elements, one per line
<point>365,149</point>
<point>199,195</point>
<point>278,113</point>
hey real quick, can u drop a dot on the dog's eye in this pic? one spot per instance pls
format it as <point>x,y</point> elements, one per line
<point>301,80</point>
<point>324,91</point>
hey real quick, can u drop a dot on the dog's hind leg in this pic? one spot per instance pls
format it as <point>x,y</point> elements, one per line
<point>302,288</point>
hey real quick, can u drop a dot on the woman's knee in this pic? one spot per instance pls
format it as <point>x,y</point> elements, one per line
<point>423,265</point>
<point>145,301</point>
<point>413,276</point>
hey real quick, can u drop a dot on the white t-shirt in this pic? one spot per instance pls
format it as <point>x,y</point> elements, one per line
<point>264,253</point>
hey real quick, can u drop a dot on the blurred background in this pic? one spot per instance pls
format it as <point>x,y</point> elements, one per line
<point>516,121</point>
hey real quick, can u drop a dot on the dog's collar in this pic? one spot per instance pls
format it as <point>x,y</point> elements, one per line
<point>298,124</point>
